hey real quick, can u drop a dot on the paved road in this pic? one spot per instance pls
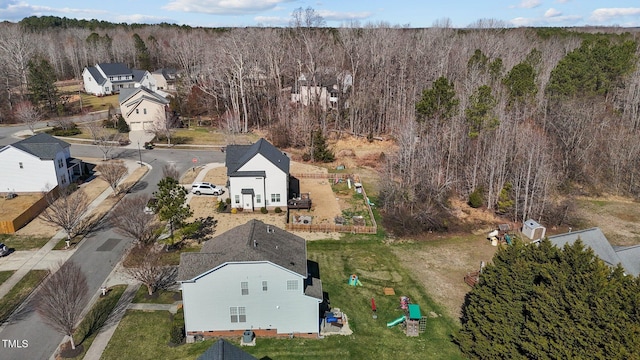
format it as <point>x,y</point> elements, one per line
<point>99,253</point>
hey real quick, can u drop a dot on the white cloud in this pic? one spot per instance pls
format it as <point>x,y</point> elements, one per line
<point>329,15</point>
<point>552,13</point>
<point>143,19</point>
<point>530,4</point>
<point>563,1</point>
<point>224,7</point>
<point>17,10</point>
<point>564,20</point>
<point>607,14</point>
<point>271,20</point>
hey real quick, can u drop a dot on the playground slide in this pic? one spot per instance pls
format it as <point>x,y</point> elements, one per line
<point>396,321</point>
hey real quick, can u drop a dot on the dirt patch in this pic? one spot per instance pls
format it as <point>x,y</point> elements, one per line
<point>10,208</point>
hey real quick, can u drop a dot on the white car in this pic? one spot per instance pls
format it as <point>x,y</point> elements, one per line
<point>206,188</point>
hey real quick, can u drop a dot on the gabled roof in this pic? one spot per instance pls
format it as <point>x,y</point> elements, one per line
<point>112,69</point>
<point>628,256</point>
<point>224,350</point>
<point>238,155</point>
<point>96,75</point>
<point>126,94</point>
<point>42,145</point>
<point>253,241</point>
<point>167,73</point>
<point>138,74</point>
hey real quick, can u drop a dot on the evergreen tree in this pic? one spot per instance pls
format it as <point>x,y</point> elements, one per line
<point>541,302</point>
<point>479,112</point>
<point>319,149</point>
<point>171,204</point>
<point>123,127</point>
<point>438,103</point>
<point>142,53</point>
<point>43,91</point>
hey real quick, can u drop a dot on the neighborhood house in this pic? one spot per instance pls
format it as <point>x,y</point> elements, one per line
<point>111,78</point>
<point>258,176</point>
<point>253,277</point>
<point>36,164</point>
<point>143,109</point>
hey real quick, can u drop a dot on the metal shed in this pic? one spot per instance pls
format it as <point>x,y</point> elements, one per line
<point>533,230</point>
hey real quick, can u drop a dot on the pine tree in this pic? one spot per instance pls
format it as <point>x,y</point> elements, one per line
<point>171,204</point>
<point>320,150</point>
<point>43,91</point>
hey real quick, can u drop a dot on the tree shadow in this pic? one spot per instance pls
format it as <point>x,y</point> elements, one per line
<point>139,186</point>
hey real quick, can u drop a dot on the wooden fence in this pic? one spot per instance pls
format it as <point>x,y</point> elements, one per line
<point>11,226</point>
<point>334,227</point>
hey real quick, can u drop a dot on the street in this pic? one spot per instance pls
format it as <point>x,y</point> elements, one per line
<point>27,336</point>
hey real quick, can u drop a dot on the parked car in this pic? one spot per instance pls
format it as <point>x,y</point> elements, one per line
<point>149,208</point>
<point>4,250</point>
<point>206,188</point>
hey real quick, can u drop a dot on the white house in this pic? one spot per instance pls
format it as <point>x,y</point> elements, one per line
<point>112,78</point>
<point>252,277</point>
<point>142,108</point>
<point>324,90</point>
<point>36,164</point>
<point>258,176</point>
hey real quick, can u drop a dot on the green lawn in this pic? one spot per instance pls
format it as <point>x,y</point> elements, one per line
<point>4,275</point>
<point>19,292</point>
<point>20,243</point>
<point>144,335</point>
<point>95,319</point>
<point>159,297</point>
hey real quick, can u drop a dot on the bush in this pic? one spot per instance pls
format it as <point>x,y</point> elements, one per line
<point>306,157</point>
<point>60,131</point>
<point>278,210</point>
<point>123,127</point>
<point>227,201</point>
<point>222,206</point>
<point>176,336</point>
<point>264,210</point>
<point>476,198</point>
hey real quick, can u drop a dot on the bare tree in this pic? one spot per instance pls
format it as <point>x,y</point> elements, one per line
<point>104,139</point>
<point>144,263</point>
<point>67,211</point>
<point>62,297</point>
<point>130,219</point>
<point>165,123</point>
<point>170,171</point>
<point>113,172</point>
<point>27,114</point>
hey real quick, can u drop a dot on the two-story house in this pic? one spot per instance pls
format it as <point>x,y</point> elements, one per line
<point>143,109</point>
<point>111,78</point>
<point>165,79</point>
<point>252,277</point>
<point>258,176</point>
<point>37,164</point>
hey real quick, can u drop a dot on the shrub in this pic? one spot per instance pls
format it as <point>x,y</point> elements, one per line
<point>176,336</point>
<point>264,210</point>
<point>306,157</point>
<point>123,127</point>
<point>222,206</point>
<point>227,200</point>
<point>234,210</point>
<point>476,198</point>
<point>278,210</point>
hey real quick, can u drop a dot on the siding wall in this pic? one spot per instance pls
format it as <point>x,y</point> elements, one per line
<point>35,176</point>
<point>275,182</point>
<point>207,302</point>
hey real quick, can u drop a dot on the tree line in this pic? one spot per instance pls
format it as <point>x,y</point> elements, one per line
<point>514,116</point>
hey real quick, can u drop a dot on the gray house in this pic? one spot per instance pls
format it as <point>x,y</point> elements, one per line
<point>254,276</point>
<point>627,256</point>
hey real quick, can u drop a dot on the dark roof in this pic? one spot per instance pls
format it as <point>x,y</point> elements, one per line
<point>238,155</point>
<point>112,69</point>
<point>96,75</point>
<point>628,256</point>
<point>253,241</point>
<point>125,94</point>
<point>42,145</point>
<point>313,287</point>
<point>224,350</point>
<point>167,73</point>
<point>138,74</point>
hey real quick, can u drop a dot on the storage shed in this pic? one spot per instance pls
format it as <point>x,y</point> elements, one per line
<point>533,230</point>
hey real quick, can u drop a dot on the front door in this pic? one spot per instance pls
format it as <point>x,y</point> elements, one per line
<point>247,202</point>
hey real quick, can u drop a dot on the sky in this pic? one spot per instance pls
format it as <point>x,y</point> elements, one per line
<point>336,13</point>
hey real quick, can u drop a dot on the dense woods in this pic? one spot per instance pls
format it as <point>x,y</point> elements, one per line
<point>542,302</point>
<point>514,116</point>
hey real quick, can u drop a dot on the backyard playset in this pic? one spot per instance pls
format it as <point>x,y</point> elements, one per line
<point>412,319</point>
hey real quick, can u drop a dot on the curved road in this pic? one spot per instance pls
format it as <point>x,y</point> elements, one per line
<point>98,254</point>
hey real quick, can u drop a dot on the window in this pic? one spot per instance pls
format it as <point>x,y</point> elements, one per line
<point>238,314</point>
<point>119,77</point>
<point>60,163</point>
<point>144,111</point>
<point>21,166</point>
<point>244,286</point>
<point>258,198</point>
<point>275,198</point>
<point>137,111</point>
<point>292,285</point>
<point>237,199</point>
<point>264,286</point>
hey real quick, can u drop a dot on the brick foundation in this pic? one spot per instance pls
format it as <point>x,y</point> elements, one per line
<point>270,333</point>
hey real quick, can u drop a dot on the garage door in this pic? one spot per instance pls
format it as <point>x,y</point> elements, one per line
<point>136,126</point>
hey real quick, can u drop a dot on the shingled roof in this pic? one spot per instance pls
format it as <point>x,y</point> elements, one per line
<point>238,155</point>
<point>97,76</point>
<point>114,69</point>
<point>627,256</point>
<point>42,145</point>
<point>224,350</point>
<point>253,241</point>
